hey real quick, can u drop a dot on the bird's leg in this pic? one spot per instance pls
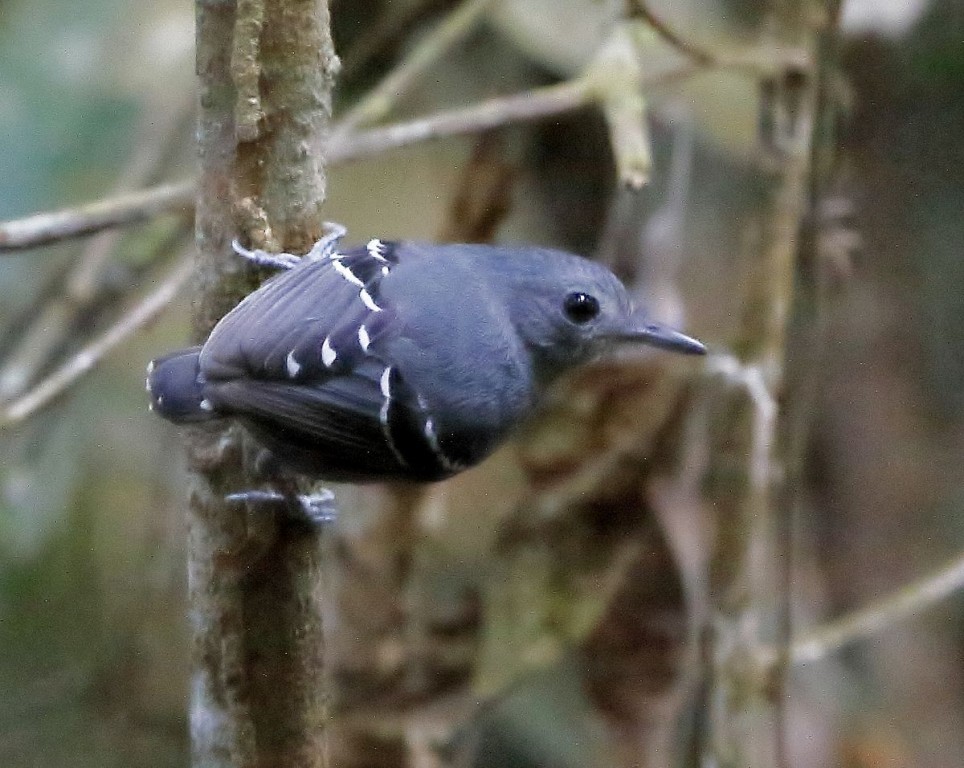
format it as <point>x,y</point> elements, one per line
<point>318,508</point>
<point>315,509</point>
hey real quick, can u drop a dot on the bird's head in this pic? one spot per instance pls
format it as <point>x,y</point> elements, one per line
<point>569,310</point>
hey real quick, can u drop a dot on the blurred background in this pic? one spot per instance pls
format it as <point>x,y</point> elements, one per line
<point>531,583</point>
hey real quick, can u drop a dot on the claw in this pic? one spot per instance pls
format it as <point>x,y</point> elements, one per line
<point>317,509</point>
<point>265,259</point>
<point>327,247</point>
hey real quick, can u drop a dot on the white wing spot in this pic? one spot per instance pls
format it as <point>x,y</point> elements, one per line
<point>206,405</point>
<point>385,271</point>
<point>374,248</point>
<point>368,301</point>
<point>386,386</point>
<point>363,338</point>
<point>292,365</point>
<point>385,382</point>
<point>432,436</point>
<point>346,273</point>
<point>328,354</point>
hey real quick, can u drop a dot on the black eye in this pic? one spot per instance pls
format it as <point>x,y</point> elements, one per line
<point>580,307</point>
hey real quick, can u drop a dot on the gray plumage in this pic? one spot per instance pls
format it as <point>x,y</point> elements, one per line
<point>400,360</point>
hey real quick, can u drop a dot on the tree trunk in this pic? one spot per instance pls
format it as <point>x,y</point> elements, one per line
<point>258,694</point>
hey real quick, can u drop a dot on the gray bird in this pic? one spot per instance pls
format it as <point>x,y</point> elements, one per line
<point>400,360</point>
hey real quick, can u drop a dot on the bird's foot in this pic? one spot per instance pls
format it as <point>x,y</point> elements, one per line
<point>315,509</point>
<point>265,259</point>
<point>328,245</point>
<point>323,249</point>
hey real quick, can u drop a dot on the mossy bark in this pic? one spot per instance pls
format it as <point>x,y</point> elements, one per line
<point>259,694</point>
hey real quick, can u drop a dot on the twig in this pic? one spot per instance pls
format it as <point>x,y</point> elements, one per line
<point>804,356</point>
<point>120,210</point>
<point>378,102</point>
<point>878,616</point>
<point>63,317</point>
<point>752,380</point>
<point>744,712</point>
<point>521,107</point>
<point>82,362</point>
<point>383,34</point>
<point>624,106</point>
<point>54,321</point>
<point>697,53</point>
<point>762,61</point>
<point>536,104</point>
<point>483,195</point>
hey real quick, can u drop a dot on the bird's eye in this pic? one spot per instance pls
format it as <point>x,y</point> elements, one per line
<point>580,307</point>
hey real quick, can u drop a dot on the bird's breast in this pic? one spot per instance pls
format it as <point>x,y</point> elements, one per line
<point>470,398</point>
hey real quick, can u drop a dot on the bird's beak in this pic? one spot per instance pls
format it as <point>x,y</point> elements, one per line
<point>644,330</point>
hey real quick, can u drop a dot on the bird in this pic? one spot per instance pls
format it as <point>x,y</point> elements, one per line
<point>399,360</point>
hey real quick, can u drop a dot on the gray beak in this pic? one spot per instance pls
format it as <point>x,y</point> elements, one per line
<point>644,330</point>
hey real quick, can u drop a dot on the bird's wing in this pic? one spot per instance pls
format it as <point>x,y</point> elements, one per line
<point>315,318</point>
<point>365,425</point>
<point>300,359</point>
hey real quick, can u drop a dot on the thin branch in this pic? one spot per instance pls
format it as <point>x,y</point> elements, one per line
<point>695,52</point>
<point>878,616</point>
<point>54,321</point>
<point>761,60</point>
<point>49,227</point>
<point>116,211</point>
<point>384,34</point>
<point>527,106</point>
<point>804,359</point>
<point>56,326</point>
<point>380,100</point>
<point>483,195</point>
<point>743,724</point>
<point>618,66</point>
<point>540,103</point>
<point>82,362</point>
<point>751,378</point>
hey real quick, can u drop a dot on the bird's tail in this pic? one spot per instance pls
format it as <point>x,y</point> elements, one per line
<point>175,386</point>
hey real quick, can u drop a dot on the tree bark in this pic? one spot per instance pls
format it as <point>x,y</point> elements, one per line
<point>258,698</point>
<point>750,482</point>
